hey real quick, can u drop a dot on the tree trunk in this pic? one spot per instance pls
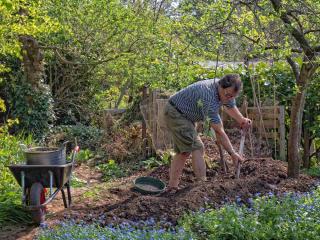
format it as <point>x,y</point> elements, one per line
<point>306,143</point>
<point>32,61</point>
<point>295,133</point>
<point>298,102</point>
<point>122,93</point>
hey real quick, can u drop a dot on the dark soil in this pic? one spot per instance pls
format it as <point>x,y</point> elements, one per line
<point>257,176</point>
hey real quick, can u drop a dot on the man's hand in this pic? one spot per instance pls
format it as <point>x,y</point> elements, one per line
<point>245,123</point>
<point>236,158</point>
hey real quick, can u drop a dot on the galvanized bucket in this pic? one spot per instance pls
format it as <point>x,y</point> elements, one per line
<point>45,155</point>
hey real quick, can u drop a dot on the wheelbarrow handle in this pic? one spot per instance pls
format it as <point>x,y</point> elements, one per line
<point>74,153</point>
<point>23,147</point>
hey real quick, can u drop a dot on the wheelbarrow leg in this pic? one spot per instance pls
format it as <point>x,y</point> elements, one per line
<point>23,197</point>
<point>69,193</point>
<point>27,193</point>
<point>64,198</point>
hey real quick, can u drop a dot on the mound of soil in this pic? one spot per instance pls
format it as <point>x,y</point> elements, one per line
<point>258,175</point>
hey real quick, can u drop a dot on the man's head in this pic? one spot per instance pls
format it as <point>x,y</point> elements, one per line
<point>229,87</point>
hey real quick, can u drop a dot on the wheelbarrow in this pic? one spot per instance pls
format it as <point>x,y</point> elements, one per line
<point>35,179</point>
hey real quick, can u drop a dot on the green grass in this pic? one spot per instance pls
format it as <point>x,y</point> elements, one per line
<point>77,183</point>
<point>13,213</point>
<point>11,210</point>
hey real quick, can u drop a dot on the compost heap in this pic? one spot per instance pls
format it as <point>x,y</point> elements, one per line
<point>258,175</point>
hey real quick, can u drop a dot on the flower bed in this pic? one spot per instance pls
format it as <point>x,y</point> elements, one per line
<point>287,216</point>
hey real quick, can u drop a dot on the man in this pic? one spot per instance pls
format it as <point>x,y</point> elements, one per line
<point>198,102</point>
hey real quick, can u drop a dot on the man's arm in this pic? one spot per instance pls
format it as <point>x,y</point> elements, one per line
<point>223,139</point>
<point>234,113</point>
<point>237,115</point>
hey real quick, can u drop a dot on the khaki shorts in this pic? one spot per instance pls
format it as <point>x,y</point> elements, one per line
<point>185,136</point>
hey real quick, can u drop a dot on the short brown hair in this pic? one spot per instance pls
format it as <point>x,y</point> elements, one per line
<point>231,80</point>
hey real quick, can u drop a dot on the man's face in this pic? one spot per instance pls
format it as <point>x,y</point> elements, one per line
<point>228,94</point>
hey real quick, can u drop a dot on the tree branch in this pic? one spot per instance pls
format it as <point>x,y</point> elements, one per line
<point>315,152</point>
<point>297,21</point>
<point>65,61</point>
<point>255,41</point>
<point>295,32</point>
<point>294,67</point>
<point>296,50</point>
<point>311,31</point>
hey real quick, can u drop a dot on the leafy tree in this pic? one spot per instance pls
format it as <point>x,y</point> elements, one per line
<point>21,23</point>
<point>113,47</point>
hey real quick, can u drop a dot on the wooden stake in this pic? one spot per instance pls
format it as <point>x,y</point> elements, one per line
<point>222,161</point>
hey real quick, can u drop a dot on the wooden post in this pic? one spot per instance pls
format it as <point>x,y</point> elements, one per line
<point>222,161</point>
<point>144,126</point>
<point>154,106</point>
<point>245,112</point>
<point>282,132</point>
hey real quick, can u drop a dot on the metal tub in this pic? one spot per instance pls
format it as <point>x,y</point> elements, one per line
<point>45,155</point>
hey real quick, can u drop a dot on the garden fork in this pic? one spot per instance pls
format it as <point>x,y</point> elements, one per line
<point>243,138</point>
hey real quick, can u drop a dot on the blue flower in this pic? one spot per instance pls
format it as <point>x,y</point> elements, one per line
<point>202,210</point>
<point>250,202</point>
<point>238,200</point>
<point>43,225</point>
<point>270,194</point>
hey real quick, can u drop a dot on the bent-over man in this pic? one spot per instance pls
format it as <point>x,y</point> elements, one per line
<point>198,102</point>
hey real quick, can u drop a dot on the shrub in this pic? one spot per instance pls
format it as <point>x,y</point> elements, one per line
<point>84,155</point>
<point>111,170</point>
<point>33,108</point>
<point>88,137</point>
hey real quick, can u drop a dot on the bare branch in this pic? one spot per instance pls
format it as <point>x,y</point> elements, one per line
<point>251,39</point>
<point>294,11</point>
<point>65,61</point>
<point>315,152</point>
<point>311,31</point>
<point>296,50</point>
<point>158,12</point>
<point>297,20</point>
<point>294,67</point>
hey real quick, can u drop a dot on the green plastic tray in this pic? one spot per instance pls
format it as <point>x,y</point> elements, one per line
<point>149,185</point>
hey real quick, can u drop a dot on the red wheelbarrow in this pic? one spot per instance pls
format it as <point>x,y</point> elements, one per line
<point>34,179</point>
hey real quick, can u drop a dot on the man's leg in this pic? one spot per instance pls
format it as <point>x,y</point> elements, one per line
<point>198,164</point>
<point>176,168</point>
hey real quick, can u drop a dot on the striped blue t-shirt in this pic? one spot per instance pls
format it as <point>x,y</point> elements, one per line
<point>200,101</point>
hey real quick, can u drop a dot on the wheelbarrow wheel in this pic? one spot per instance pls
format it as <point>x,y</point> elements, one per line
<point>38,215</point>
